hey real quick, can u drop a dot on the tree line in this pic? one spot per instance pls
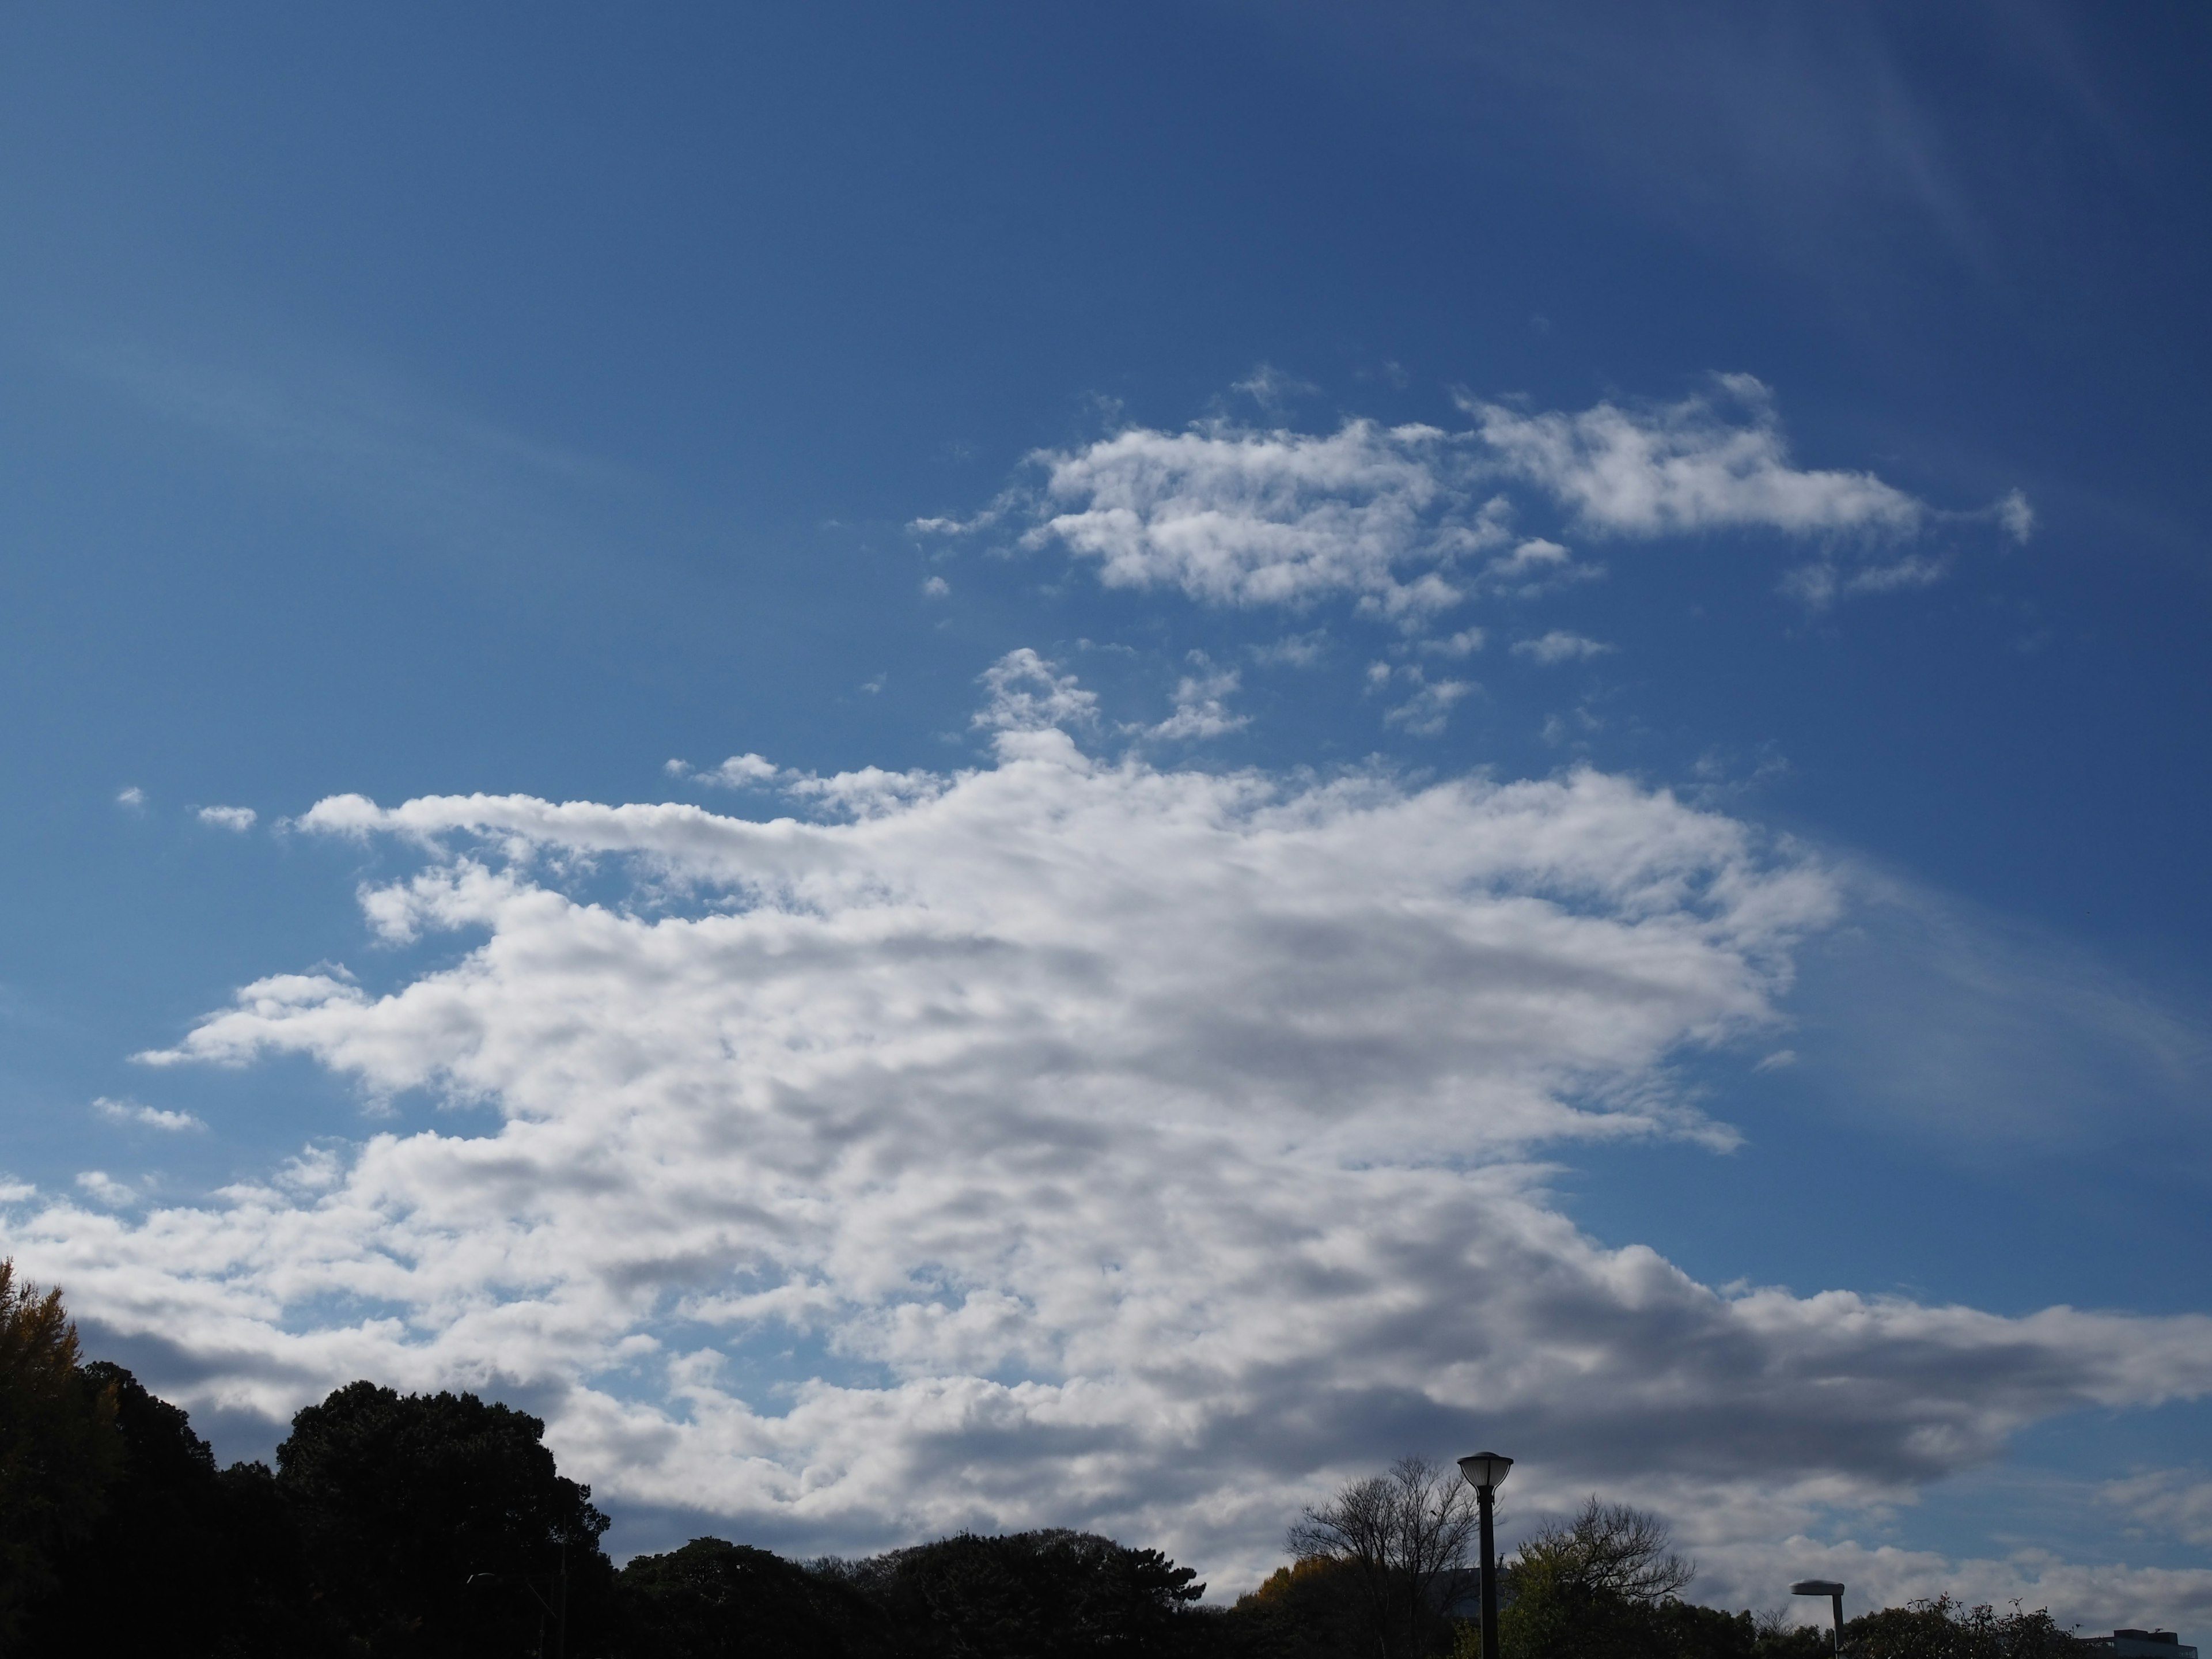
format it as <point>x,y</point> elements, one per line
<point>423,1526</point>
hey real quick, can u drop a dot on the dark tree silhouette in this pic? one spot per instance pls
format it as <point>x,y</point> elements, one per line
<point>151,1574</point>
<point>1403,1537</point>
<point>58,1448</point>
<point>1611,1549</point>
<point>713,1600</point>
<point>1942,1629</point>
<point>1054,1592</point>
<point>1312,1609</point>
<point>432,1524</point>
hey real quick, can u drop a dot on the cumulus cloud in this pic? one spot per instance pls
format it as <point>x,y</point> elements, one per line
<point>1700,463</point>
<point>1293,650</point>
<point>1076,1141</point>
<point>1464,643</point>
<point>1029,694</point>
<point>1249,518</point>
<point>237,819</point>
<point>103,1188</point>
<point>1559,646</point>
<point>1534,567</point>
<point>1426,712</point>
<point>146,1117</point>
<point>1202,708</point>
<point>746,771</point>
<point>1411,520</point>
<point>134,797</point>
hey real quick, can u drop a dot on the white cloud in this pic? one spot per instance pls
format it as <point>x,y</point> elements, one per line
<point>936,587</point>
<point>1821,583</point>
<point>1534,567</point>
<point>103,1188</point>
<point>1464,643</point>
<point>1425,714</point>
<point>238,819</point>
<point>1559,646</point>
<point>1293,650</point>
<point>1201,708</point>
<point>2097,1596</point>
<point>1688,466</point>
<point>746,771</point>
<point>1274,389</point>
<point>1133,1147</point>
<point>146,1117</point>
<point>1393,518</point>
<point>1249,518</point>
<point>2175,1501</point>
<point>1027,694</point>
<point>134,797</point>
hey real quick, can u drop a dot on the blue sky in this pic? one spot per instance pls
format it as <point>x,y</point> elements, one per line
<point>1768,846</point>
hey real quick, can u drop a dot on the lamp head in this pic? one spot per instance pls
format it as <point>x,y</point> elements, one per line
<point>1816,1587</point>
<point>1485,1469</point>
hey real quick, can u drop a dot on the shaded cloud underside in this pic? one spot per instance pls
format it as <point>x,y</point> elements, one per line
<point>1131,1147</point>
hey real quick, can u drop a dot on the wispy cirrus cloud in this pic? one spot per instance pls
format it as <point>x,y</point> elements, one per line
<point>2176,1501</point>
<point>1560,646</point>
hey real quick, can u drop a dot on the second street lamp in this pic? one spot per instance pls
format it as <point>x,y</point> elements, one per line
<point>1485,1472</point>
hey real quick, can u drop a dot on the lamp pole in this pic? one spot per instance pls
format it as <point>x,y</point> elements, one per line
<point>557,1610</point>
<point>1485,1472</point>
<point>1833,1591</point>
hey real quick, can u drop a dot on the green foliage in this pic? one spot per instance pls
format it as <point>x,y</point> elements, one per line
<point>58,1448</point>
<point>1942,1629</point>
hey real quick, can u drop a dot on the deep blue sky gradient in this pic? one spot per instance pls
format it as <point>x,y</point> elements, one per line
<point>425,399</point>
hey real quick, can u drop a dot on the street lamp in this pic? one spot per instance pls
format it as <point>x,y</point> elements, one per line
<point>557,1609</point>
<point>1833,1591</point>
<point>1485,1473</point>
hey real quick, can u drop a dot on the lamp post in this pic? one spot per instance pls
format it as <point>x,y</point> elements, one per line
<point>1833,1591</point>
<point>557,1609</point>
<point>1485,1472</point>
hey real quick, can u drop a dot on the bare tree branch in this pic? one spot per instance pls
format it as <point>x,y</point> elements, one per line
<point>1608,1549</point>
<point>1405,1534</point>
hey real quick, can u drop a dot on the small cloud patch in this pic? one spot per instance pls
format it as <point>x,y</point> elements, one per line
<point>146,1117</point>
<point>1559,646</point>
